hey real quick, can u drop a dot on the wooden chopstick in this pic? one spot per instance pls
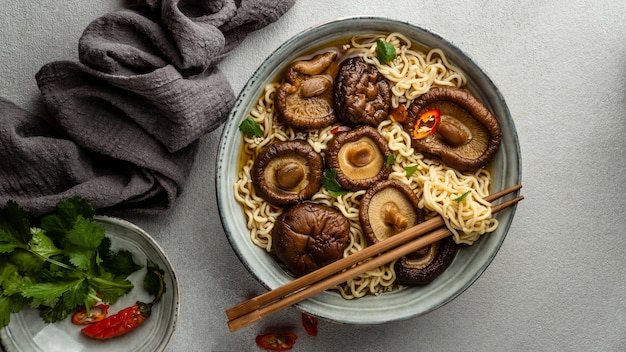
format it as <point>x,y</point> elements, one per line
<point>293,292</point>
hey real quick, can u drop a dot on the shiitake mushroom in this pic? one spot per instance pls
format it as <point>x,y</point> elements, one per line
<point>387,208</point>
<point>424,265</point>
<point>359,156</point>
<point>362,93</point>
<point>288,172</point>
<point>308,236</point>
<point>391,207</point>
<point>304,100</point>
<point>468,134</point>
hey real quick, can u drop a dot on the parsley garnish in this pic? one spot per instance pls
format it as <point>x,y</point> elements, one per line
<point>250,128</point>
<point>410,170</point>
<point>385,51</point>
<point>390,160</point>
<point>65,263</point>
<point>460,198</point>
<point>329,181</point>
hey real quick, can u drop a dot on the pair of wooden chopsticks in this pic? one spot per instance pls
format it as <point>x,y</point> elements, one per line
<point>329,276</point>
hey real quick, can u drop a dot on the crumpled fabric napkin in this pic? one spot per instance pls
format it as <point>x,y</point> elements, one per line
<point>125,119</point>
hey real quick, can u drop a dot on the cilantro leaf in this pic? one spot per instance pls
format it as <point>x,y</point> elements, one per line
<point>250,128</point>
<point>26,261</point>
<point>120,263</point>
<point>76,294</point>
<point>71,209</point>
<point>68,211</point>
<point>82,241</point>
<point>42,244</point>
<point>53,313</point>
<point>410,170</point>
<point>14,227</point>
<point>153,281</point>
<point>57,267</point>
<point>110,287</point>
<point>8,305</point>
<point>85,234</point>
<point>329,181</point>
<point>460,198</point>
<point>391,159</point>
<point>385,51</point>
<point>43,290</point>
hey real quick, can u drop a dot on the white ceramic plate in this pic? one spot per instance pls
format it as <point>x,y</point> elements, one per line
<point>469,263</point>
<point>28,332</point>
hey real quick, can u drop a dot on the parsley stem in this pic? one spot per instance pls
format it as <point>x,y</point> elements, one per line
<point>52,261</point>
<point>111,283</point>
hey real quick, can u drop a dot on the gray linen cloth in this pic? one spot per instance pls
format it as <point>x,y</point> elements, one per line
<point>124,122</point>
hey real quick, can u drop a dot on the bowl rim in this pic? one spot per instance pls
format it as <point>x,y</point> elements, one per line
<point>321,304</point>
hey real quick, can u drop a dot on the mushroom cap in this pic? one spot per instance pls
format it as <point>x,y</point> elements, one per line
<point>359,156</point>
<point>305,99</point>
<point>285,173</point>
<point>387,208</point>
<point>308,236</point>
<point>468,135</point>
<point>362,93</point>
<point>424,265</point>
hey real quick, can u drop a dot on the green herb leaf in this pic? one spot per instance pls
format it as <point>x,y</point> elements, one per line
<point>42,244</point>
<point>57,267</point>
<point>85,234</point>
<point>410,170</point>
<point>385,51</point>
<point>329,181</point>
<point>43,290</point>
<point>53,313</point>
<point>462,196</point>
<point>153,281</point>
<point>14,227</point>
<point>120,263</point>
<point>250,128</point>
<point>391,159</point>
<point>5,310</point>
<point>111,287</point>
<point>68,211</point>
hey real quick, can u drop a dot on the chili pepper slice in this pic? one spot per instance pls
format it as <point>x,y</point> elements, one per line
<point>128,319</point>
<point>427,123</point>
<point>338,129</point>
<point>276,342</point>
<point>310,324</point>
<point>398,114</point>
<point>81,318</point>
<point>125,321</point>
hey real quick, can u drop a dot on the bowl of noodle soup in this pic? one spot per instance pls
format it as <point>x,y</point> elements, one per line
<point>372,298</point>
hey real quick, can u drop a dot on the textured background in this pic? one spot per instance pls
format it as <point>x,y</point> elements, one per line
<point>558,282</point>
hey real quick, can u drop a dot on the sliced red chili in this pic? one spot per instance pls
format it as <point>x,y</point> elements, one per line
<point>81,318</point>
<point>310,324</point>
<point>127,319</point>
<point>427,123</point>
<point>276,342</point>
<point>338,129</point>
<point>398,114</point>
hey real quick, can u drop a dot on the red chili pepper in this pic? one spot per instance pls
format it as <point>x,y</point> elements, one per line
<point>338,129</point>
<point>398,114</point>
<point>276,342</point>
<point>81,318</point>
<point>310,324</point>
<point>427,123</point>
<point>126,320</point>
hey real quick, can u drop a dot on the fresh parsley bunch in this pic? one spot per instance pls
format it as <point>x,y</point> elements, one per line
<point>63,263</point>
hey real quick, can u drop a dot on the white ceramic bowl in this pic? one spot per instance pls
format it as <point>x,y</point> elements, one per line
<point>27,332</point>
<point>470,262</point>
